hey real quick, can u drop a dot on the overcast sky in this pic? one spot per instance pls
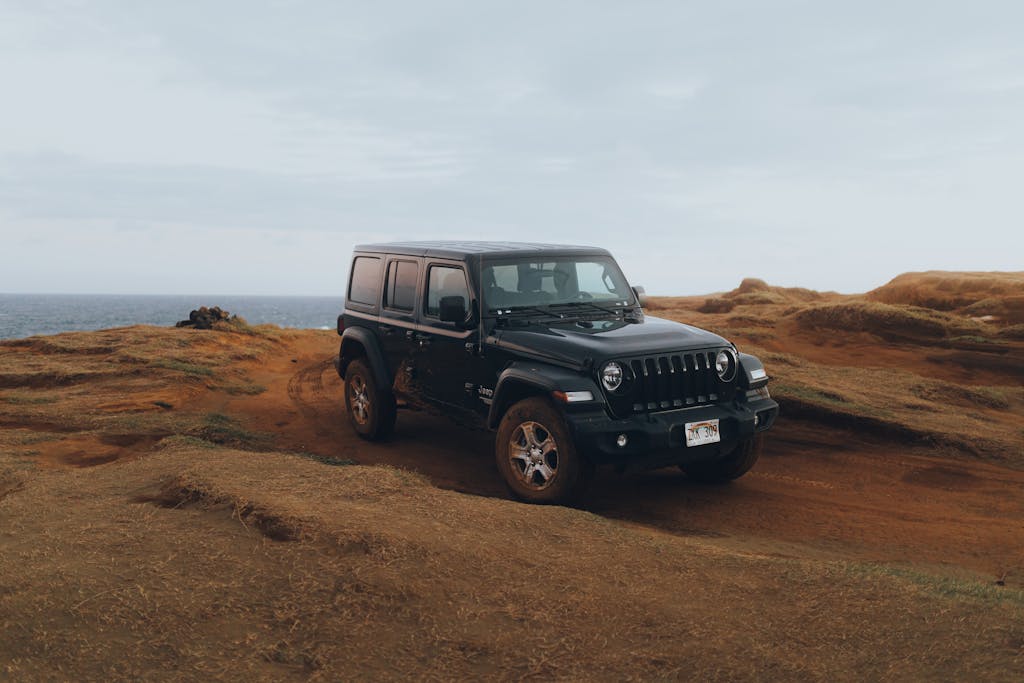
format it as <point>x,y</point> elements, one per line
<point>245,147</point>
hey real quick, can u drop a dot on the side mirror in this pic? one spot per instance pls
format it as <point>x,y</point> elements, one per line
<point>641,296</point>
<point>453,309</point>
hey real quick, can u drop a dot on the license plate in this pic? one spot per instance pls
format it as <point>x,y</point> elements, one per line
<point>700,433</point>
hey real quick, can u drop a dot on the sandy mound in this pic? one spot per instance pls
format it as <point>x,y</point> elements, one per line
<point>1007,309</point>
<point>1002,292</point>
<point>885,321</point>
<point>755,292</point>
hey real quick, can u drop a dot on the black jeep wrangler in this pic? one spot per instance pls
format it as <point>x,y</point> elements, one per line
<point>549,346</point>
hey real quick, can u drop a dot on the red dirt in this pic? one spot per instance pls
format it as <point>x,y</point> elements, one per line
<point>816,490</point>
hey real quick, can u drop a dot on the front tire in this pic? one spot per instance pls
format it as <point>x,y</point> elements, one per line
<point>536,455</point>
<point>371,410</point>
<point>732,466</point>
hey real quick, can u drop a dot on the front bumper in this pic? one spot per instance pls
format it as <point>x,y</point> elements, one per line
<point>658,439</point>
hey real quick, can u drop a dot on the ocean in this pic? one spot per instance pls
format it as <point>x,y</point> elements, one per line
<point>25,315</point>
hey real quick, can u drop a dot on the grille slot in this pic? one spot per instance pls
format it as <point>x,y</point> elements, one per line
<point>676,380</point>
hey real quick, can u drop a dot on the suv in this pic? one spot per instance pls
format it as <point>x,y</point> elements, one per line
<point>549,346</point>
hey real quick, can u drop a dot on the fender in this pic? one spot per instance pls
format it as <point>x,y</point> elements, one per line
<point>752,373</point>
<point>537,378</point>
<point>373,354</point>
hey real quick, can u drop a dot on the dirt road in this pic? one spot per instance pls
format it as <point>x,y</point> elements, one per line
<point>816,492</point>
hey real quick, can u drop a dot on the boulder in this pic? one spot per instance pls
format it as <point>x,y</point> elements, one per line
<point>203,318</point>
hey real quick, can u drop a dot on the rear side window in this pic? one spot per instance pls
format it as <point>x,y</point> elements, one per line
<point>445,281</point>
<point>365,281</point>
<point>401,290</point>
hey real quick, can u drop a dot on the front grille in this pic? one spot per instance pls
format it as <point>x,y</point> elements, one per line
<point>677,380</point>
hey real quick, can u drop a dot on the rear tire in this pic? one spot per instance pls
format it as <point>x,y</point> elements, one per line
<point>732,466</point>
<point>536,455</point>
<point>371,410</point>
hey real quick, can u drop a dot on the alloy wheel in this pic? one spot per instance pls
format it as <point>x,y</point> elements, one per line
<point>359,400</point>
<point>533,454</point>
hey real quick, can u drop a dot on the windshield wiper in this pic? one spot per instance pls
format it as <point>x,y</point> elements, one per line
<point>591,305</point>
<point>507,312</point>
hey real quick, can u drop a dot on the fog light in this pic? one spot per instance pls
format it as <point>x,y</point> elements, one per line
<point>621,440</point>
<point>757,420</point>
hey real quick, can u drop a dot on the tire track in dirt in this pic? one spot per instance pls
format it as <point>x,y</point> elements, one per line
<point>306,391</point>
<point>817,491</point>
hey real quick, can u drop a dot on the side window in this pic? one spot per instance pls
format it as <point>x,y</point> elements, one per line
<point>365,280</point>
<point>400,294</point>
<point>444,281</point>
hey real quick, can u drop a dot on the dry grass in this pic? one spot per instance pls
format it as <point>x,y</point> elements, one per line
<point>240,388</point>
<point>1015,332</point>
<point>901,404</point>
<point>112,394</point>
<point>754,292</point>
<point>225,430</point>
<point>919,374</point>
<point>949,291</point>
<point>199,551</point>
<point>228,564</point>
<point>1007,309</point>
<point>893,323</point>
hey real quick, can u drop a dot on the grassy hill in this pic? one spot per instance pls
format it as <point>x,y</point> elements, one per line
<point>182,504</point>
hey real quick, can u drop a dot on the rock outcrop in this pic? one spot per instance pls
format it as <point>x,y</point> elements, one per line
<point>204,318</point>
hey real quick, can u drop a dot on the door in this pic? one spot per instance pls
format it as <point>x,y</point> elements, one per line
<point>449,366</point>
<point>398,320</point>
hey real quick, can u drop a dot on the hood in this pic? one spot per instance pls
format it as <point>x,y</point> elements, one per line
<point>602,340</point>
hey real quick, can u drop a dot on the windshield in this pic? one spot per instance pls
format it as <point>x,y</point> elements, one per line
<point>513,283</point>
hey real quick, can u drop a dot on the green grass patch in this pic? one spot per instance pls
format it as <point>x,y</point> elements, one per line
<point>239,325</point>
<point>28,399</point>
<point>961,394</point>
<point>26,438</point>
<point>811,394</point>
<point>753,335</point>
<point>185,441</point>
<point>221,429</point>
<point>240,388</point>
<point>974,339</point>
<point>191,369</point>
<point>826,399</point>
<point>941,586</point>
<point>327,459</point>
<point>792,361</point>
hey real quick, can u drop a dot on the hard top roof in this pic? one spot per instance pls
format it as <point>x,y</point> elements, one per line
<point>463,248</point>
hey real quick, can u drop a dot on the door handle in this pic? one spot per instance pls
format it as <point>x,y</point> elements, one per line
<point>423,340</point>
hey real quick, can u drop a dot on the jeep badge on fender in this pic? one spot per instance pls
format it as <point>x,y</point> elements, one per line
<point>549,346</point>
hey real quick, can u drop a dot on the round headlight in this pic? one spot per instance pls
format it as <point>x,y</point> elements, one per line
<point>611,376</point>
<point>725,365</point>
